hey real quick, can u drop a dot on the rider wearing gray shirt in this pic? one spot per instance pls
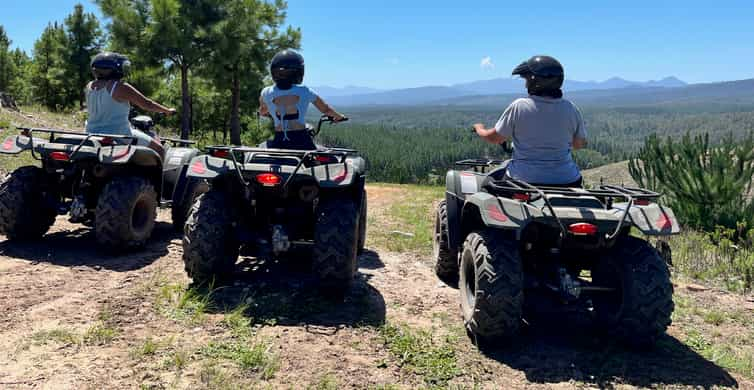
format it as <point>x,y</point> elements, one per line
<point>543,127</point>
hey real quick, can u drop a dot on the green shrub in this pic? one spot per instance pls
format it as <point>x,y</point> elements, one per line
<point>707,186</point>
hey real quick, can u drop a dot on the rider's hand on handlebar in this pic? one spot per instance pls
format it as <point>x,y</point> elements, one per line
<point>476,127</point>
<point>337,117</point>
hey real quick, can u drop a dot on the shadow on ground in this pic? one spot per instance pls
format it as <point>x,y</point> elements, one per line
<point>557,353</point>
<point>285,292</point>
<point>78,247</point>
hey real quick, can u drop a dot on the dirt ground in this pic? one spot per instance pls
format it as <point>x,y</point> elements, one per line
<point>73,317</point>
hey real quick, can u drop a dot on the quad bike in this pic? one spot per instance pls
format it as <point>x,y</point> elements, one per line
<point>101,180</point>
<point>513,248</point>
<point>267,202</point>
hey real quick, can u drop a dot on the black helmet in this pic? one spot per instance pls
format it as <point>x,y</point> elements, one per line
<point>110,66</point>
<point>287,69</point>
<point>544,75</point>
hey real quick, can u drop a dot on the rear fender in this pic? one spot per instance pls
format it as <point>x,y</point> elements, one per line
<point>208,167</point>
<point>129,154</point>
<point>16,144</point>
<point>652,220</point>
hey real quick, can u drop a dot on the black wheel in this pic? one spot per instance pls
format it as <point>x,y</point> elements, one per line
<point>491,287</point>
<point>335,245</point>
<point>125,213</point>
<point>638,310</point>
<point>27,204</point>
<point>188,189</point>
<point>363,223</point>
<point>210,244</point>
<point>446,258</point>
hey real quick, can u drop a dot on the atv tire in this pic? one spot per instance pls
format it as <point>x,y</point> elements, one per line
<point>639,311</point>
<point>446,258</point>
<point>210,245</point>
<point>125,213</point>
<point>491,287</point>
<point>362,223</point>
<point>27,210</point>
<point>189,189</point>
<point>335,245</point>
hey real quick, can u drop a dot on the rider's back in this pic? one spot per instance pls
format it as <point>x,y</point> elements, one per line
<point>542,130</point>
<point>106,115</point>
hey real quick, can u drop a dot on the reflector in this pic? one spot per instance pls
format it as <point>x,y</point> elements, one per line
<point>583,229</point>
<point>268,179</point>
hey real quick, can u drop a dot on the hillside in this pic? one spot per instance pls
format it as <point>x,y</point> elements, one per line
<point>615,173</point>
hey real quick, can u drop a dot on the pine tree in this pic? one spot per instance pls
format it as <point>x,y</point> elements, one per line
<point>7,68</point>
<point>244,41</point>
<point>706,185</point>
<point>166,30</point>
<point>83,43</point>
<point>49,82</point>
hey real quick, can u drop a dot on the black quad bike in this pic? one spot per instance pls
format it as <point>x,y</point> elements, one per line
<point>514,249</point>
<point>100,180</point>
<point>266,202</point>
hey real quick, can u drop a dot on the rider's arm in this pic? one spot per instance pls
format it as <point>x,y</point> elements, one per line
<point>263,109</point>
<point>489,135</point>
<point>127,93</point>
<point>579,136</point>
<point>326,109</point>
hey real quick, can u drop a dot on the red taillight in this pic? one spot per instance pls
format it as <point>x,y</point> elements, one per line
<point>198,167</point>
<point>220,153</point>
<point>107,141</point>
<point>8,144</point>
<point>60,156</point>
<point>495,213</point>
<point>521,197</point>
<point>326,159</point>
<point>268,179</point>
<point>583,229</point>
<point>641,202</point>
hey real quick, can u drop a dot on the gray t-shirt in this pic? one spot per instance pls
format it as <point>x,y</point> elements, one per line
<point>542,130</point>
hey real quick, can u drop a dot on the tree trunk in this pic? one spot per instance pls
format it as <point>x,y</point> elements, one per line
<point>235,107</point>
<point>185,103</point>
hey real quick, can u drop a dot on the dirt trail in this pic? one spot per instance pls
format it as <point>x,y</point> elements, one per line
<point>61,286</point>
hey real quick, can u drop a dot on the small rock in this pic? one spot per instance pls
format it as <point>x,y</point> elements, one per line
<point>696,287</point>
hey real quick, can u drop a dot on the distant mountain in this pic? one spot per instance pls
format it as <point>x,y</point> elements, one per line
<point>408,96</point>
<point>704,95</point>
<point>348,90</point>
<point>358,96</point>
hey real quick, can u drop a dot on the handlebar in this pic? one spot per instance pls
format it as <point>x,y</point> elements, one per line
<point>506,146</point>
<point>327,119</point>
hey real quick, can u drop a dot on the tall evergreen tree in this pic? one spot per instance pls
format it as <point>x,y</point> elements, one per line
<point>20,86</point>
<point>167,30</point>
<point>49,80</point>
<point>84,41</point>
<point>7,68</point>
<point>246,39</point>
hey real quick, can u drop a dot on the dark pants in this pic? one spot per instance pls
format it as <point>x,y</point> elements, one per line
<point>297,140</point>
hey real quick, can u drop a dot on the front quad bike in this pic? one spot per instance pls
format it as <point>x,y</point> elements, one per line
<point>100,180</point>
<point>267,202</point>
<point>514,248</point>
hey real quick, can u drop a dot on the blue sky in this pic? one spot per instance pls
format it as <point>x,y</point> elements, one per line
<point>391,44</point>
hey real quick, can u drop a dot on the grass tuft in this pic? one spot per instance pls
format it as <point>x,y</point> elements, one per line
<point>184,304</point>
<point>250,356</point>
<point>59,335</point>
<point>99,334</point>
<point>419,352</point>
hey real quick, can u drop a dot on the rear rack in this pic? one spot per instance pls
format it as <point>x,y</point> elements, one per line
<point>301,156</point>
<point>630,194</point>
<point>29,131</point>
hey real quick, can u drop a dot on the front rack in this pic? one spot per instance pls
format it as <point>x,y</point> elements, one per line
<point>302,156</point>
<point>479,164</point>
<point>29,132</point>
<point>509,186</point>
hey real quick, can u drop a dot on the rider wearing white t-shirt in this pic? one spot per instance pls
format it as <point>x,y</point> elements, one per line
<point>287,103</point>
<point>543,127</point>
